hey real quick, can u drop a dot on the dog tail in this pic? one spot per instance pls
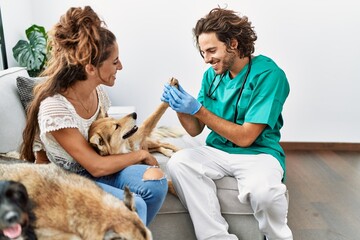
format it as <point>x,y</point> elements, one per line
<point>166,131</point>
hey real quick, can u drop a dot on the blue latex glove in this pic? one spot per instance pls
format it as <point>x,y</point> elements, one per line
<point>166,93</point>
<point>181,101</point>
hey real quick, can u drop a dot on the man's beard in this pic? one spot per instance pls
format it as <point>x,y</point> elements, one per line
<point>228,62</point>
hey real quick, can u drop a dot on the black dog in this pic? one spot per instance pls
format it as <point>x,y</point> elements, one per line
<point>17,219</point>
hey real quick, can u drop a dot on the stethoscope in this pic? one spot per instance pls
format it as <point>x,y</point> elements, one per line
<point>210,93</point>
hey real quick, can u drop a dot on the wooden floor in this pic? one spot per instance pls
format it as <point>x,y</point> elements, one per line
<point>324,188</point>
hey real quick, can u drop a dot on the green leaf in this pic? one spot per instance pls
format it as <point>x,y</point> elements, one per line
<point>32,54</point>
<point>36,28</point>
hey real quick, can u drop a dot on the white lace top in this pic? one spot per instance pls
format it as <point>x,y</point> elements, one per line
<point>57,112</point>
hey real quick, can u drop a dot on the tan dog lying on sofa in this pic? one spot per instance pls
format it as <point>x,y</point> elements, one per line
<point>113,136</point>
<point>71,207</point>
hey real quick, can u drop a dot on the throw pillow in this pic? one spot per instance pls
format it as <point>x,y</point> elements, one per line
<point>25,88</point>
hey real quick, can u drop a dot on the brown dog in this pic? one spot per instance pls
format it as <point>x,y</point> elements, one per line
<point>68,206</point>
<point>113,136</point>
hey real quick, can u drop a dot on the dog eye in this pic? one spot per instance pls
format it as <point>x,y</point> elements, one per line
<point>117,126</point>
<point>17,196</point>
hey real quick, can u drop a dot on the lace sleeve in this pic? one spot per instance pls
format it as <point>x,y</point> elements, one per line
<point>55,114</point>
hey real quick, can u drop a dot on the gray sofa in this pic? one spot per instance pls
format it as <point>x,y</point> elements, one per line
<point>173,221</point>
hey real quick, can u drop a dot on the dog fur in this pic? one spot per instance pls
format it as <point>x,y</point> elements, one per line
<point>69,206</point>
<point>113,136</point>
<point>17,218</point>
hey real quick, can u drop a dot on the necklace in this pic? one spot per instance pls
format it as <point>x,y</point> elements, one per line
<point>81,103</point>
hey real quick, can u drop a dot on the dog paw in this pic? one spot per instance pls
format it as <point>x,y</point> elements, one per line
<point>166,152</point>
<point>174,82</point>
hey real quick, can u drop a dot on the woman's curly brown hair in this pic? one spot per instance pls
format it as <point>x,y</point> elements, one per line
<point>78,39</point>
<point>227,25</point>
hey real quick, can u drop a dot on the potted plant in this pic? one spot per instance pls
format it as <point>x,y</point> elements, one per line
<point>32,54</point>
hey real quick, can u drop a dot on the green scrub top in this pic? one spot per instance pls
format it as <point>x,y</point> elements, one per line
<point>261,101</point>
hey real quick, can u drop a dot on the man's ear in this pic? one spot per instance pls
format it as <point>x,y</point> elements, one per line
<point>90,69</point>
<point>233,43</point>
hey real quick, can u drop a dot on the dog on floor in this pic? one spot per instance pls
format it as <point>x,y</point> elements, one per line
<point>71,207</point>
<point>113,136</point>
<point>17,218</point>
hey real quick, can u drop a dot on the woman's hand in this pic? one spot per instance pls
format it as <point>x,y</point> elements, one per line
<point>149,159</point>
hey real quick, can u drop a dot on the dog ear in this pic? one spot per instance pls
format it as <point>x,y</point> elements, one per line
<point>97,143</point>
<point>129,199</point>
<point>96,139</point>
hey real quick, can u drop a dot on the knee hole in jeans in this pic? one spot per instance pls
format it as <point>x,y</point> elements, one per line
<point>153,173</point>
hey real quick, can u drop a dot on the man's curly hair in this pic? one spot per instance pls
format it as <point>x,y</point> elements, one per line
<point>227,25</point>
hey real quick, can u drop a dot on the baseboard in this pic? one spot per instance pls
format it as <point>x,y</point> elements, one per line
<point>308,146</point>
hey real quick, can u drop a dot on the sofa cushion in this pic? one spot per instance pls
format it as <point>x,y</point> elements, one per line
<point>25,87</point>
<point>12,120</point>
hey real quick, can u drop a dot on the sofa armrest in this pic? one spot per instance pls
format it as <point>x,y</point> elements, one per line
<point>12,120</point>
<point>120,111</point>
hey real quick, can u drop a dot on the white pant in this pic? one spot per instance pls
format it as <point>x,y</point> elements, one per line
<point>259,181</point>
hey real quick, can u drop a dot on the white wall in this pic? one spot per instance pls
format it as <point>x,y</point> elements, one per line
<point>315,42</point>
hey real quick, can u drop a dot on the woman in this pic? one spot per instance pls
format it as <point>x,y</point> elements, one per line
<point>84,54</point>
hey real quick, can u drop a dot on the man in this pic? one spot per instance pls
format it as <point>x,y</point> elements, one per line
<point>240,101</point>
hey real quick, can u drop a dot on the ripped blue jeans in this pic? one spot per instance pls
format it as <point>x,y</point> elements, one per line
<point>149,193</point>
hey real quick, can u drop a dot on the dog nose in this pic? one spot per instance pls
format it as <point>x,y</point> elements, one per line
<point>134,115</point>
<point>11,217</point>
